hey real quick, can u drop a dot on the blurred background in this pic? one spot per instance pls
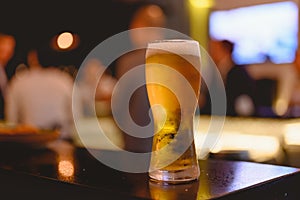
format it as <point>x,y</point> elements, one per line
<point>264,32</point>
<point>264,35</point>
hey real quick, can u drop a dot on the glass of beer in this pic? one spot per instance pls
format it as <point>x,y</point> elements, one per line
<point>173,84</point>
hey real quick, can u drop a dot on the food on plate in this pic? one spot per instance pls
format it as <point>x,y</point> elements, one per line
<point>18,129</point>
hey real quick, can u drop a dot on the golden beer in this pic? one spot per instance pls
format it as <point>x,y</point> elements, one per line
<point>173,85</point>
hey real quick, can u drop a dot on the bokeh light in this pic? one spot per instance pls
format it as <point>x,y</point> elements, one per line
<point>65,40</point>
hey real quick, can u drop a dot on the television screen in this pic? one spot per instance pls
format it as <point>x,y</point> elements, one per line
<point>260,32</point>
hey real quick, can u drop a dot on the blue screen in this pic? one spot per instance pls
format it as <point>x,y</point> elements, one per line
<point>260,32</point>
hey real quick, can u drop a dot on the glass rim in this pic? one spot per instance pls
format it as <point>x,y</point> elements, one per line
<point>177,46</point>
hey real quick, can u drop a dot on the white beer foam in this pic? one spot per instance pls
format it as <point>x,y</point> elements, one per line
<point>177,46</point>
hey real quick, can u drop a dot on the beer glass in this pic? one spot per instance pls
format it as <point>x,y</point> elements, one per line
<point>173,84</point>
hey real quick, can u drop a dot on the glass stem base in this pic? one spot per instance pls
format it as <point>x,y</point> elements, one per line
<point>175,177</point>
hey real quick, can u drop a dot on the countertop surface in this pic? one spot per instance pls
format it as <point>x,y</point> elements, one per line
<point>62,170</point>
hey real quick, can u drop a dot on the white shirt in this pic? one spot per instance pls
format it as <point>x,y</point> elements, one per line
<point>3,80</point>
<point>41,97</point>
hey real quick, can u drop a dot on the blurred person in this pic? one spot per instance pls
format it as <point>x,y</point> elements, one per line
<point>94,86</point>
<point>7,48</point>
<point>33,59</point>
<point>145,16</point>
<point>92,100</point>
<point>239,85</point>
<point>95,89</point>
<point>41,97</point>
<point>70,69</point>
<point>283,78</point>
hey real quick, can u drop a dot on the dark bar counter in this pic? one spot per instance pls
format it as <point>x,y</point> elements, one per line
<point>61,170</point>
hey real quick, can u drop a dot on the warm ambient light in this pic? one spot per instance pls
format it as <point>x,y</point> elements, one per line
<point>66,168</point>
<point>259,148</point>
<point>202,3</point>
<point>65,40</point>
<point>291,135</point>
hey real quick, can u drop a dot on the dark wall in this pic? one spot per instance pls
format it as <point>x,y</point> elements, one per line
<point>34,24</point>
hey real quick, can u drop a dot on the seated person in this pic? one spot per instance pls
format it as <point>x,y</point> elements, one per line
<point>95,86</point>
<point>239,86</point>
<point>284,77</point>
<point>7,49</point>
<point>41,97</point>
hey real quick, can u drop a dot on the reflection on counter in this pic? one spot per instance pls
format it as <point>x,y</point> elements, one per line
<point>66,168</point>
<point>65,160</point>
<point>173,192</point>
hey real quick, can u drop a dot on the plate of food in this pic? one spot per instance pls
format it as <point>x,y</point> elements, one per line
<point>26,134</point>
